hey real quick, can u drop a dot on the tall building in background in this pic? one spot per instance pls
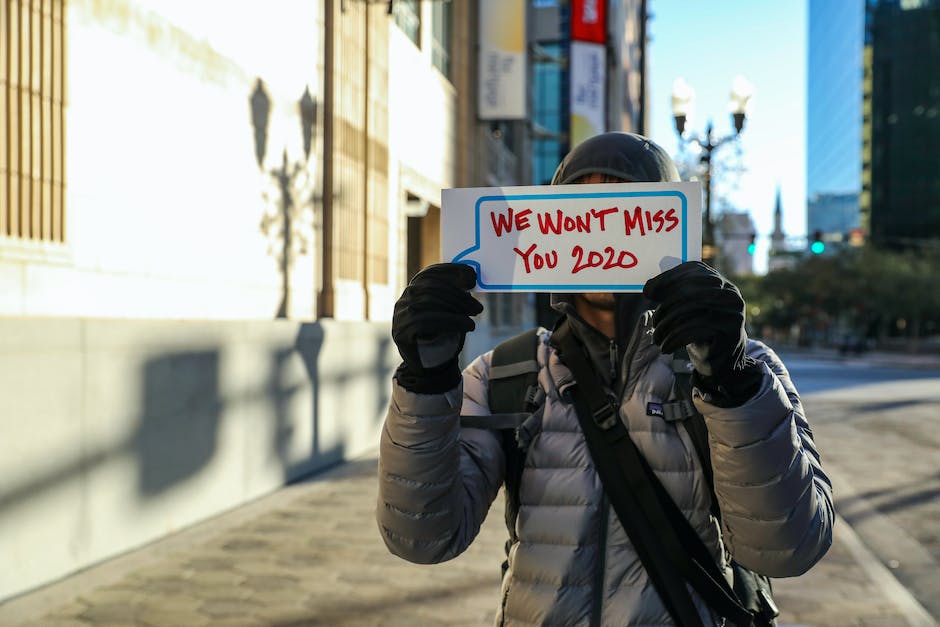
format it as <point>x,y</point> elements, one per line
<point>834,111</point>
<point>902,121</point>
<point>836,215</point>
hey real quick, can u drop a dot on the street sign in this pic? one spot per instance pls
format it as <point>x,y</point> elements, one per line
<point>571,238</point>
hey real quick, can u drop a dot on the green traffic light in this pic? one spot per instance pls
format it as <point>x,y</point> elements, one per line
<point>751,248</point>
<point>817,248</point>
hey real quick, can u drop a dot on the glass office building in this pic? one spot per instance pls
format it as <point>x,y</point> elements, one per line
<point>902,106</point>
<point>834,114</point>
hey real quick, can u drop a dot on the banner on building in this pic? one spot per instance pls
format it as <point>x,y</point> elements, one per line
<point>588,67</point>
<point>502,60</point>
<point>589,20</point>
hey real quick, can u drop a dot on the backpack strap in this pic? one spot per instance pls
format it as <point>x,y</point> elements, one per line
<point>512,384</point>
<point>514,398</point>
<point>513,375</point>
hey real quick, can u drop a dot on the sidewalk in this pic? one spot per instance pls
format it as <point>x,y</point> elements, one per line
<point>310,554</point>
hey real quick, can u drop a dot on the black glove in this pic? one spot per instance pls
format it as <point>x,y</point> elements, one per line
<point>430,322</point>
<point>703,311</point>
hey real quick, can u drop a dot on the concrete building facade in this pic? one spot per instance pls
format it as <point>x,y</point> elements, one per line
<point>204,225</point>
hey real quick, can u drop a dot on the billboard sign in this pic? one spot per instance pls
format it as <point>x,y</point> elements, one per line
<point>502,88</point>
<point>589,20</point>
<point>588,66</point>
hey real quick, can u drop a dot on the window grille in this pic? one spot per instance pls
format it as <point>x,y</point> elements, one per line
<point>32,111</point>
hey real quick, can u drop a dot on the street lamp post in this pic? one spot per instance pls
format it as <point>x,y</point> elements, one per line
<point>683,106</point>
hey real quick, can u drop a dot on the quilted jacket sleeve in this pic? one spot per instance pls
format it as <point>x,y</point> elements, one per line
<point>775,499</point>
<point>436,480</point>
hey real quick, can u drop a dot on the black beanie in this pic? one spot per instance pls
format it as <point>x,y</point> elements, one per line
<point>632,158</point>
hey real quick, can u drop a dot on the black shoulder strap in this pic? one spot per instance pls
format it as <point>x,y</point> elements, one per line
<point>513,390</point>
<point>669,548</point>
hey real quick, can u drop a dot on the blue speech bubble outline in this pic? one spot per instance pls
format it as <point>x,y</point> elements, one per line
<point>557,287</point>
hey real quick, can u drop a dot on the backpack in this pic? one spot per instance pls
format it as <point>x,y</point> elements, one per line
<point>516,398</point>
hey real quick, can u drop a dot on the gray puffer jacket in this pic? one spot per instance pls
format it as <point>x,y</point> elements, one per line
<point>437,481</point>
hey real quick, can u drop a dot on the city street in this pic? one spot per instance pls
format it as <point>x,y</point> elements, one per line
<point>309,554</point>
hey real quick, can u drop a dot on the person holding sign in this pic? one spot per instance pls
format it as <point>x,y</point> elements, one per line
<point>621,510</point>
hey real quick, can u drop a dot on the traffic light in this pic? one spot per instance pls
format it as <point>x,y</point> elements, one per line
<point>753,245</point>
<point>818,246</point>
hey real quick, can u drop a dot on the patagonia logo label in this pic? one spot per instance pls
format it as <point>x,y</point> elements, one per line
<point>655,409</point>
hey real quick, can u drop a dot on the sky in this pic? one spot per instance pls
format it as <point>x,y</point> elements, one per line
<point>708,44</point>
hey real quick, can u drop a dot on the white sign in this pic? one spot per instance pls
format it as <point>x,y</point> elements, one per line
<point>588,90</point>
<point>502,60</point>
<point>571,238</point>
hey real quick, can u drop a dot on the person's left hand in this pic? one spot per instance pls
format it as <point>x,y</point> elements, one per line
<point>702,310</point>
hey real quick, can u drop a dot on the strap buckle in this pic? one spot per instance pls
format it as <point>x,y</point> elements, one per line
<point>606,416</point>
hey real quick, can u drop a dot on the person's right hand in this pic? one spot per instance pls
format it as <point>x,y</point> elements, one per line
<point>429,325</point>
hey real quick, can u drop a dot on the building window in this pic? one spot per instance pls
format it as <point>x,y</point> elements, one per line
<point>441,36</point>
<point>32,112</point>
<point>408,17</point>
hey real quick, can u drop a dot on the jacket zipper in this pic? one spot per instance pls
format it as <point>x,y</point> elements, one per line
<point>601,565</point>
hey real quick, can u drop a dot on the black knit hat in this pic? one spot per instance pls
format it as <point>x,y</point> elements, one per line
<point>629,157</point>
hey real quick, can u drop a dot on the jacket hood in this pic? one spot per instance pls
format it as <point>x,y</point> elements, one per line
<point>632,158</point>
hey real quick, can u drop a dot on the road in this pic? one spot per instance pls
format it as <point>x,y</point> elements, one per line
<point>878,431</point>
<point>309,554</point>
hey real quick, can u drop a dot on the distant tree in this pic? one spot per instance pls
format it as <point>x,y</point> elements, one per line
<point>857,292</point>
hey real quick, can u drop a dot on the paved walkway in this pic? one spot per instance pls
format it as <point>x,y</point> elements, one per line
<point>309,554</point>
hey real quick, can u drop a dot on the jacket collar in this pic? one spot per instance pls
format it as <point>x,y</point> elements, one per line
<point>641,351</point>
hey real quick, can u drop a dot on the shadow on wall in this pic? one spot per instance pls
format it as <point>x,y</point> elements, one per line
<point>341,377</point>
<point>283,386</point>
<point>178,431</point>
<point>180,405</point>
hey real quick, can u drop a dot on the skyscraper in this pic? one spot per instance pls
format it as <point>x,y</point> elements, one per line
<point>902,125</point>
<point>834,108</point>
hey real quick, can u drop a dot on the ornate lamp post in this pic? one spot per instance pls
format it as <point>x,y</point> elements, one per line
<point>683,107</point>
